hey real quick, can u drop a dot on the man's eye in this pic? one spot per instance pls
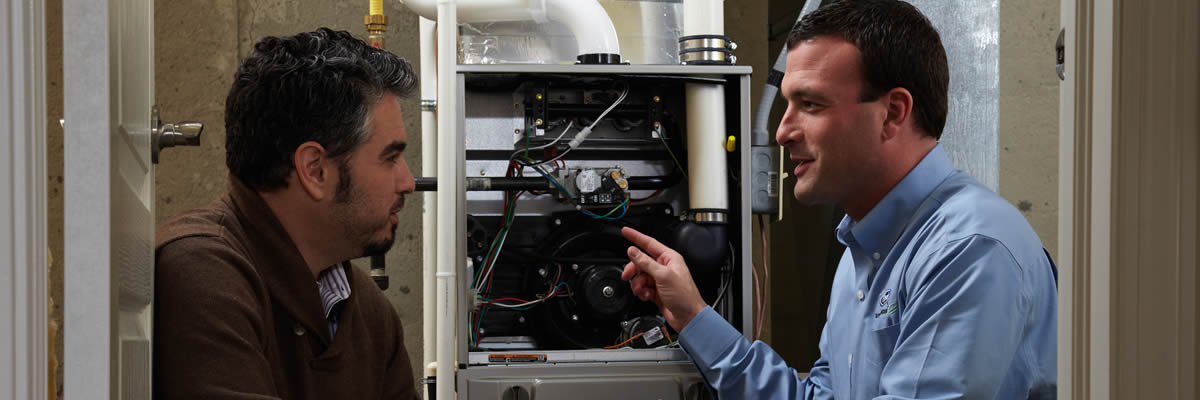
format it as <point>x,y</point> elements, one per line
<point>393,158</point>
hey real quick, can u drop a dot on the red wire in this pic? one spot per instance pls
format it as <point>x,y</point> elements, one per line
<point>656,192</point>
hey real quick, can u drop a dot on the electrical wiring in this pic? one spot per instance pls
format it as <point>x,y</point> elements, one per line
<point>618,345</point>
<point>762,231</point>
<point>583,133</point>
<point>658,132</point>
<point>553,142</point>
<point>624,207</point>
<point>726,281</point>
<point>656,193</point>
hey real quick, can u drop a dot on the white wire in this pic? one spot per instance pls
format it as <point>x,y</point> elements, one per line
<point>610,108</point>
<point>560,136</point>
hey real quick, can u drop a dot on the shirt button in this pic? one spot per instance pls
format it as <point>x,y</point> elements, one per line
<point>299,330</point>
<point>875,256</point>
<point>859,295</point>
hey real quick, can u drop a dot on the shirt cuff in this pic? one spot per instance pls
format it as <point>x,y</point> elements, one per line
<point>707,337</point>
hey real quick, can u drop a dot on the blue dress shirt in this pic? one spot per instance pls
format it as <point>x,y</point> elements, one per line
<point>944,292</point>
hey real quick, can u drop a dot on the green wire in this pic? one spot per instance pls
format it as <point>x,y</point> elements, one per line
<point>671,153</point>
<point>618,207</point>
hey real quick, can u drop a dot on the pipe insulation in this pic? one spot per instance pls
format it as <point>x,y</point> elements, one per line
<point>449,140</point>
<point>588,21</point>
<point>429,210</point>
<point>707,186</point>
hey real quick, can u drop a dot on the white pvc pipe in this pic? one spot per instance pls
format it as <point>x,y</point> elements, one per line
<point>707,186</point>
<point>448,191</point>
<point>703,17</point>
<point>429,212</point>
<point>587,19</point>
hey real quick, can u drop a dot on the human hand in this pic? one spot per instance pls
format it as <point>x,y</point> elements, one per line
<point>662,277</point>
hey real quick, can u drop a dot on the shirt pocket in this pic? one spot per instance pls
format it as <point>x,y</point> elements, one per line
<point>878,343</point>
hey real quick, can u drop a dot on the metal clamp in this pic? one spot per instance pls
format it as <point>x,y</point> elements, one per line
<point>717,217</point>
<point>707,49</point>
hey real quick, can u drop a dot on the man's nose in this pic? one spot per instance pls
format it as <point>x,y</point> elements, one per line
<point>405,183</point>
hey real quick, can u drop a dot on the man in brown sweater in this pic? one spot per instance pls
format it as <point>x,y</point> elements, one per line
<point>254,297</point>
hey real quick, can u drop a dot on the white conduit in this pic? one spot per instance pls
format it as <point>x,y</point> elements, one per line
<point>707,185</point>
<point>587,19</point>
<point>429,212</point>
<point>448,191</point>
<point>703,17</point>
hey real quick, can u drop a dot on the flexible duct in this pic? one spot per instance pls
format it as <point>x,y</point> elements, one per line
<point>588,21</point>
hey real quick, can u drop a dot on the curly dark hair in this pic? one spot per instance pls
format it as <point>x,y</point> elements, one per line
<point>314,86</point>
<point>899,46</point>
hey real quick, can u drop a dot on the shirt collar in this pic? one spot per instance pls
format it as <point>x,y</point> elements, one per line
<point>881,227</point>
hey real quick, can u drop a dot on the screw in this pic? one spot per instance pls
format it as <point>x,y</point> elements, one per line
<point>516,131</point>
<point>521,319</point>
<point>557,221</point>
<point>574,317</point>
<point>542,271</point>
<point>538,122</point>
<point>481,331</point>
<point>482,172</point>
<point>587,99</point>
<point>656,99</point>
<point>538,96</point>
<point>608,291</point>
<point>657,124</point>
<point>574,267</point>
<point>516,106</point>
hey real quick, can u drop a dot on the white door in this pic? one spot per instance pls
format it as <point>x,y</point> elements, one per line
<point>111,140</point>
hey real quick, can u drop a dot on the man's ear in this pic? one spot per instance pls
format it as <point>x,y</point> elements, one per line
<point>899,103</point>
<point>312,170</point>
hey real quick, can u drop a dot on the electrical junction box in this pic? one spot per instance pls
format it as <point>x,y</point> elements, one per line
<point>543,312</point>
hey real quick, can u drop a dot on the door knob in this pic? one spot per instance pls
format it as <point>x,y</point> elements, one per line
<point>171,135</point>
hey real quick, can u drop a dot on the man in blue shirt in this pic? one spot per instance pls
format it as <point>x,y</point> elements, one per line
<point>944,291</point>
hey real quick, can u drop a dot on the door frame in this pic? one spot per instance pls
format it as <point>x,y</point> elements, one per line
<point>1107,103</point>
<point>24,316</point>
<point>1085,201</point>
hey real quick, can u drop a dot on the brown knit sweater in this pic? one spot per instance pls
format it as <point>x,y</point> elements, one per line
<point>237,315</point>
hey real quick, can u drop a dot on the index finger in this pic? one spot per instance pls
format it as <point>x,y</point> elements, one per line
<point>651,246</point>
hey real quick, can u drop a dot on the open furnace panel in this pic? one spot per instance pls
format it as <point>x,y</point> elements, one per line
<point>543,303</point>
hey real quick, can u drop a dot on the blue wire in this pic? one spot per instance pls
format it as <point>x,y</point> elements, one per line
<point>624,208</point>
<point>552,180</point>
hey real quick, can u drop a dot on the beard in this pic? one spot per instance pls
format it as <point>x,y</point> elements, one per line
<point>348,198</point>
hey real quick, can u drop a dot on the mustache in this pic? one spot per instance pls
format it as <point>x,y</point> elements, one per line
<point>398,206</point>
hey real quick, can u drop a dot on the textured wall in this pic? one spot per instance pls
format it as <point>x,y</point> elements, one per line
<point>1028,134</point>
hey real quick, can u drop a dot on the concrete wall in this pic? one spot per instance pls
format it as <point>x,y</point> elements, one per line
<point>1028,134</point>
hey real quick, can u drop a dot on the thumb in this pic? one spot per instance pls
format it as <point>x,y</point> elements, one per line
<point>646,264</point>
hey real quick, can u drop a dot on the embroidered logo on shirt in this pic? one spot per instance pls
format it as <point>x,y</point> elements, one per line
<point>884,307</point>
